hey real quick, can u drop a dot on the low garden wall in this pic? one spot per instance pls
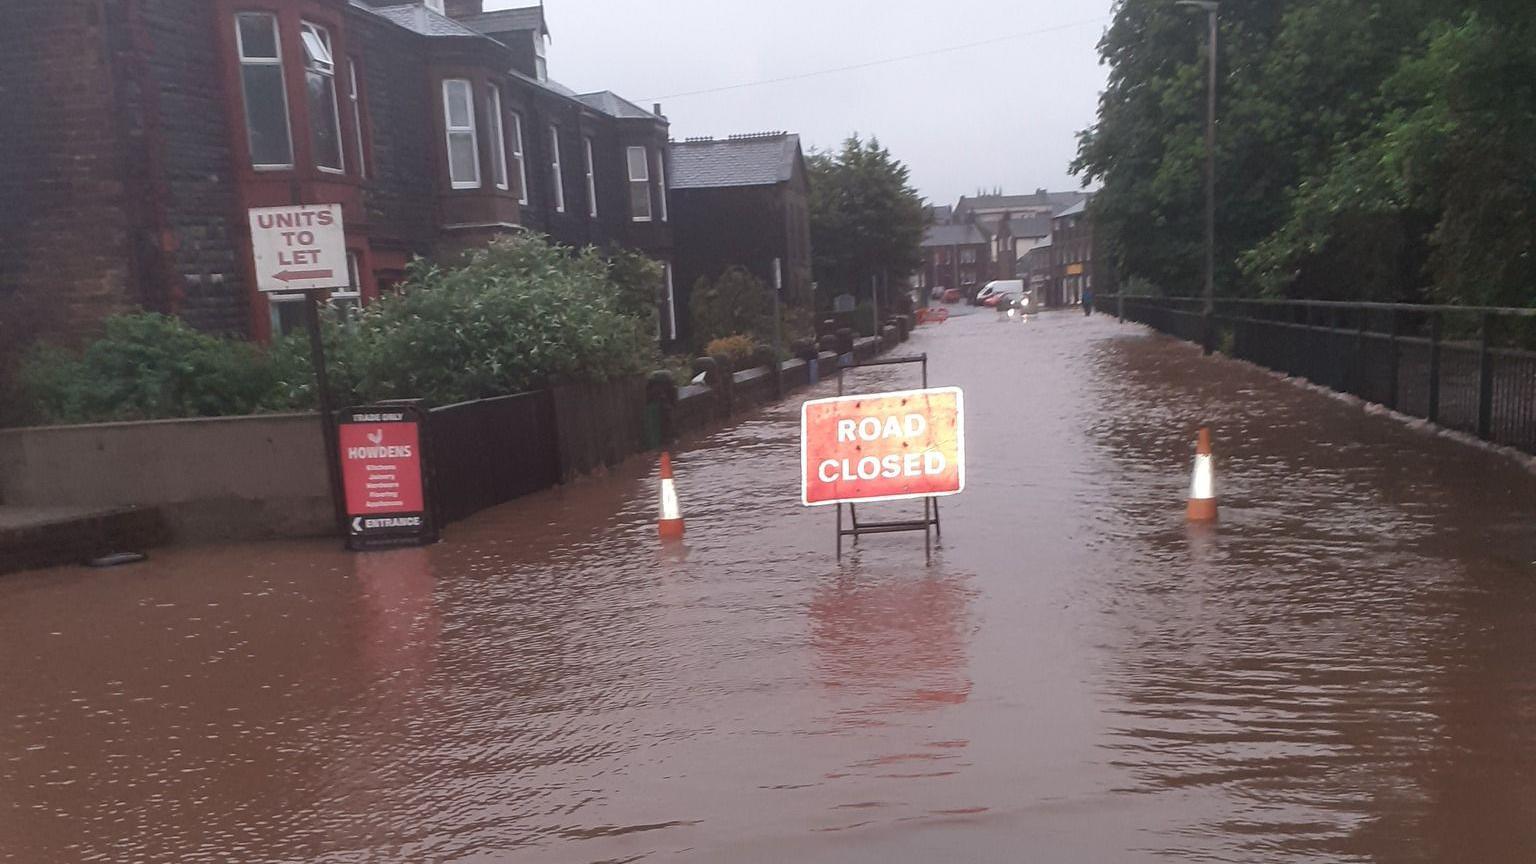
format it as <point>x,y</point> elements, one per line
<point>264,476</point>
<point>211,478</point>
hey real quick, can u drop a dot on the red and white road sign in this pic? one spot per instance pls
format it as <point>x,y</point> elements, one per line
<point>299,248</point>
<point>882,447</point>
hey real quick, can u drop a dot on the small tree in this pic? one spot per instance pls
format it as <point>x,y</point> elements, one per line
<point>736,303</point>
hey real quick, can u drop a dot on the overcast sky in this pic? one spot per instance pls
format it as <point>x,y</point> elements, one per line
<point>1001,114</point>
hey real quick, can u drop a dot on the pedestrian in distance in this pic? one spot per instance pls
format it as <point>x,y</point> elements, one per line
<point>1088,302</point>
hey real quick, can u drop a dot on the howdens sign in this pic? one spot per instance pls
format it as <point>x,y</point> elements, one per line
<point>384,477</point>
<point>882,447</point>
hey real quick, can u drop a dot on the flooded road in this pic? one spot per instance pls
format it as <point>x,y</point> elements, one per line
<point>1343,670</point>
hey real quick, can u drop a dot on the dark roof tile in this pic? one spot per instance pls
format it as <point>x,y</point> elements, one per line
<point>741,160</point>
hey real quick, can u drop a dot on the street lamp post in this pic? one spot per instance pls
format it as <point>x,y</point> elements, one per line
<point>1211,8</point>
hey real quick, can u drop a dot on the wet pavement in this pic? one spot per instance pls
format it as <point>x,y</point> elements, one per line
<point>1343,670</point>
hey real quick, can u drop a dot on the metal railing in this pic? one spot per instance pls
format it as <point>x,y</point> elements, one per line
<point>1468,368</point>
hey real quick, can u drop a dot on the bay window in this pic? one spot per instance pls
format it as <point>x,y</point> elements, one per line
<point>459,120</point>
<point>320,92</point>
<point>355,97</point>
<point>517,158</point>
<point>661,181</point>
<point>639,185</point>
<point>263,90</point>
<point>591,178</point>
<point>557,182</point>
<point>498,139</point>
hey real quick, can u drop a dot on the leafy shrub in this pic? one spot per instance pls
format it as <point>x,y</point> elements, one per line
<point>738,350</point>
<point>735,303</point>
<point>147,366</point>
<point>520,314</point>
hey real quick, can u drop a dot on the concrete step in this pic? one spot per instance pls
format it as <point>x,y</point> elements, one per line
<point>36,537</point>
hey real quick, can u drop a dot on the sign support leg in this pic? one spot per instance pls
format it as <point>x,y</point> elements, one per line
<point>927,537</point>
<point>839,532</point>
<point>327,411</point>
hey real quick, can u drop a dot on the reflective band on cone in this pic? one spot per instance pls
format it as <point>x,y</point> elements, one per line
<point>671,522</point>
<point>1202,488</point>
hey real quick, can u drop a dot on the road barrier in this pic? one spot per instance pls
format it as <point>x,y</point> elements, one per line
<point>1468,368</point>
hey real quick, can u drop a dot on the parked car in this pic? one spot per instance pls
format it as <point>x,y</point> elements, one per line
<point>952,295</point>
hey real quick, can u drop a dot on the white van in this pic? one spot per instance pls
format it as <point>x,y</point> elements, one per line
<point>1011,287</point>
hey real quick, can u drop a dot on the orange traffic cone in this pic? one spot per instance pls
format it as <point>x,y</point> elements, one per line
<point>670,525</point>
<point>1202,489</point>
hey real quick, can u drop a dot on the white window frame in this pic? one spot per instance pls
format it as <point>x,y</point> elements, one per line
<point>319,59</point>
<point>666,269</point>
<point>661,179</point>
<point>554,167</point>
<point>645,163</point>
<point>518,156</point>
<point>591,178</point>
<point>277,44</point>
<point>356,98</point>
<point>496,130</point>
<point>451,130</point>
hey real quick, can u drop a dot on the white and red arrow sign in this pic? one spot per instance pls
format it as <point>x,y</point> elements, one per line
<point>299,248</point>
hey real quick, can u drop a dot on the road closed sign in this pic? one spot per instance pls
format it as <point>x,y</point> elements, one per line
<point>383,477</point>
<point>299,248</point>
<point>882,447</point>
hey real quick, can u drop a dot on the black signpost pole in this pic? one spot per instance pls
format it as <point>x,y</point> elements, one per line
<point>312,302</point>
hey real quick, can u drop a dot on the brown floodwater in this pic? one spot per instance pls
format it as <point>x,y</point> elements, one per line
<point>1343,670</point>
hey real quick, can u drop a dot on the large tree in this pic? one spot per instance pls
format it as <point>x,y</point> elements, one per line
<point>1368,149</point>
<point>866,219</point>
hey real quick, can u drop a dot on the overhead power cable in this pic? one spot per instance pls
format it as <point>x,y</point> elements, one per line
<point>933,52</point>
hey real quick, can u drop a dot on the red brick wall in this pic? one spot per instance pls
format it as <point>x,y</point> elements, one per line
<point>65,238</point>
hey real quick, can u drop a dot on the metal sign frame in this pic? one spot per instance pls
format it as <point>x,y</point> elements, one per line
<point>364,538</point>
<point>930,518</point>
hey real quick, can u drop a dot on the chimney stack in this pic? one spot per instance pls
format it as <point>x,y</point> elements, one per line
<point>464,8</point>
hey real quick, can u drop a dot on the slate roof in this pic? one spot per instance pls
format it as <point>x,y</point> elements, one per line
<point>941,212</point>
<point>1075,210</point>
<point>419,19</point>
<point>1030,226</point>
<point>740,160</point>
<point>953,235</point>
<point>614,105</point>
<point>509,20</point>
<point>1057,201</point>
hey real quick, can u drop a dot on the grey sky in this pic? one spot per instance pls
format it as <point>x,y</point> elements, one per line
<point>1003,114</point>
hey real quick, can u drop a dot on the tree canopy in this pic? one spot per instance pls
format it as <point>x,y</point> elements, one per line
<point>866,219</point>
<point>1367,149</point>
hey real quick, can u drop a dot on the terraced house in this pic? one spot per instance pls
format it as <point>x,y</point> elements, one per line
<point>151,126</point>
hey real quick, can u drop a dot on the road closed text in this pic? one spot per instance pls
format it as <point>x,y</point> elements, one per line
<point>882,447</point>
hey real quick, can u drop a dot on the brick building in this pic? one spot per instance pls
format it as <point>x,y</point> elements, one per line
<point>150,126</point>
<point>956,256</point>
<point>1073,257</point>
<point>742,202</point>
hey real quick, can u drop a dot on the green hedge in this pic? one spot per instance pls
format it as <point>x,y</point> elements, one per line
<point>517,315</point>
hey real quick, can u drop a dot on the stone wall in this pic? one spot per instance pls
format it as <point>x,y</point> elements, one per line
<point>212,479</point>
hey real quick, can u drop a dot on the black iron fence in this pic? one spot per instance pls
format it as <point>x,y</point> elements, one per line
<point>1467,368</point>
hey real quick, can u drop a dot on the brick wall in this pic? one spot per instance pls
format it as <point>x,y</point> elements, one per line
<point>65,244</point>
<point>186,113</point>
<point>402,188</point>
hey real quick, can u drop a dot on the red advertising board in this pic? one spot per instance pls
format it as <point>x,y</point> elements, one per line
<point>882,447</point>
<point>383,477</point>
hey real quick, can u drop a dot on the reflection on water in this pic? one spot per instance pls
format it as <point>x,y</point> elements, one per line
<point>1343,670</point>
